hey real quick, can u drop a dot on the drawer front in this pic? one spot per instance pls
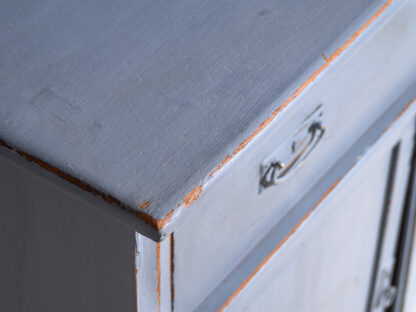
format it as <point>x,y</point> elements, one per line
<point>327,262</point>
<point>231,216</point>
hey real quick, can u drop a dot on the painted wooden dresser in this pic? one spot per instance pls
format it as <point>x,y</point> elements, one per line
<point>207,155</point>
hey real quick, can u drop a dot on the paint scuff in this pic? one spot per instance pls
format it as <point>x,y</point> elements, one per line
<point>144,204</point>
<point>192,196</point>
<point>223,163</point>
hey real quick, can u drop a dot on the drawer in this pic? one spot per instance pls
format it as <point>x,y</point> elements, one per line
<point>231,216</point>
<point>325,261</point>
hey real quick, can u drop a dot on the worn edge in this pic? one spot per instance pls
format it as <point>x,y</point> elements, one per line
<point>240,288</point>
<point>193,195</point>
<point>196,192</point>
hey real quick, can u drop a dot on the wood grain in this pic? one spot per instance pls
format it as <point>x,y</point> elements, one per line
<point>141,100</point>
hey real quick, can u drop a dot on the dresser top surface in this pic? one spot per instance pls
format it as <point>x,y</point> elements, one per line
<point>142,100</point>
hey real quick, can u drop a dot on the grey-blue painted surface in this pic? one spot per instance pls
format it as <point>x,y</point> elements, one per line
<point>232,218</point>
<point>142,99</point>
<point>371,140</point>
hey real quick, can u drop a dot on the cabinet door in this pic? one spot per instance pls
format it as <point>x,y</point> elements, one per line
<point>342,256</point>
<point>404,277</point>
<point>409,304</point>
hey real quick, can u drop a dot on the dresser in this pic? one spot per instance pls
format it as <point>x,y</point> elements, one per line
<point>207,155</point>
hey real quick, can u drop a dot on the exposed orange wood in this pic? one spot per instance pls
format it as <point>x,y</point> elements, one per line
<point>161,223</point>
<point>192,196</point>
<point>281,243</point>
<point>308,81</point>
<point>294,229</point>
<point>84,186</point>
<point>223,163</point>
<point>144,204</point>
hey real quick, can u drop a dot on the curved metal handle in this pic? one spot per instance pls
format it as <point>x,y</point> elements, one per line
<point>278,171</point>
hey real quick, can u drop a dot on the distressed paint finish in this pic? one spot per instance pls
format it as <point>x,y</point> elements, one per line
<point>297,277</point>
<point>148,101</point>
<point>153,263</point>
<point>147,92</point>
<point>278,236</point>
<point>348,113</point>
<point>366,181</point>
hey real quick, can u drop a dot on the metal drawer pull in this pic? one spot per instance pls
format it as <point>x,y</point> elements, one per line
<point>278,171</point>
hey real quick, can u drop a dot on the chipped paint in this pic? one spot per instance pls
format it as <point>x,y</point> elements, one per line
<point>195,193</point>
<point>82,185</point>
<point>324,56</point>
<point>161,223</point>
<point>144,204</point>
<point>192,196</point>
<point>298,91</point>
<point>306,216</point>
<point>156,224</point>
<point>311,78</point>
<point>223,163</point>
<point>279,245</point>
<point>148,219</point>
